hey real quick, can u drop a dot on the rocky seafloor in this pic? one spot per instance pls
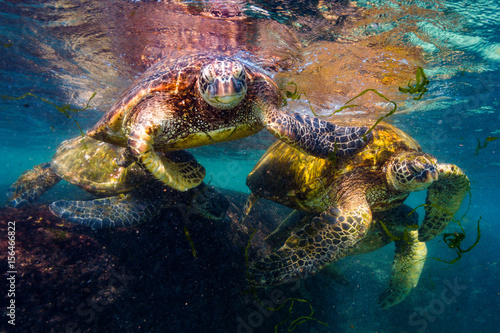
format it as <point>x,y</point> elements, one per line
<point>151,278</point>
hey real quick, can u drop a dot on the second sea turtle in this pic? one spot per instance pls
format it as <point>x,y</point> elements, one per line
<point>129,195</point>
<point>346,192</point>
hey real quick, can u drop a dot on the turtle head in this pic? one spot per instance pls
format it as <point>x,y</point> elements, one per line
<point>223,83</point>
<point>412,171</point>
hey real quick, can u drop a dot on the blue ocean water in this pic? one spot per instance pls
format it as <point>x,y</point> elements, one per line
<point>62,52</point>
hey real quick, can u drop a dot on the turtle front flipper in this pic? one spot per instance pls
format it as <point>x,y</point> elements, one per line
<point>184,169</point>
<point>444,198</point>
<point>179,175</point>
<point>410,255</point>
<point>119,211</point>
<point>30,186</point>
<point>406,269</point>
<point>324,240</point>
<point>316,137</point>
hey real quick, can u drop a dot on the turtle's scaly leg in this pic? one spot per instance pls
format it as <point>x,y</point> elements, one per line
<point>31,185</point>
<point>119,211</point>
<point>324,240</point>
<point>444,198</point>
<point>316,137</point>
<point>406,269</point>
<point>180,176</point>
<point>410,255</point>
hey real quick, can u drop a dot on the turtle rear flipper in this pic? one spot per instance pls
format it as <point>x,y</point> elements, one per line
<point>111,212</point>
<point>406,269</point>
<point>30,186</point>
<point>444,198</point>
<point>181,172</point>
<point>317,137</point>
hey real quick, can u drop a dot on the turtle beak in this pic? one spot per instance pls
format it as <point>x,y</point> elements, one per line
<point>226,92</point>
<point>434,174</point>
<point>429,175</point>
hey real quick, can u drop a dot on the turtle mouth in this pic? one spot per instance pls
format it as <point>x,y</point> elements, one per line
<point>225,100</point>
<point>430,174</point>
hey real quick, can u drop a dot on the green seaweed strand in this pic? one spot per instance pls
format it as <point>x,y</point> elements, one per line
<point>65,109</point>
<point>298,321</point>
<point>294,323</point>
<point>391,236</point>
<point>390,113</point>
<point>419,87</point>
<point>295,95</point>
<point>454,240</point>
<point>485,144</point>
<point>190,240</point>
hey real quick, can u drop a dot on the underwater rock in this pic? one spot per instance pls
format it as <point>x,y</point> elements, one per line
<point>150,278</point>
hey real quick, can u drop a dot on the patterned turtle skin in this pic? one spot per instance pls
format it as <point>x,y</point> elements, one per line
<point>129,195</point>
<point>346,192</point>
<point>394,225</point>
<point>204,99</point>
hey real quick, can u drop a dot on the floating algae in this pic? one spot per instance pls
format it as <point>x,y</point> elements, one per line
<point>485,143</point>
<point>292,300</point>
<point>454,241</point>
<point>65,109</point>
<point>190,240</point>
<point>419,87</point>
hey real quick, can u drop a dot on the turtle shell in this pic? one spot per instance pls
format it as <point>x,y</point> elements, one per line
<point>171,85</point>
<point>301,181</point>
<point>92,165</point>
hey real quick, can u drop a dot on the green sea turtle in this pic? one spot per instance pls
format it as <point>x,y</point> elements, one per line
<point>130,196</point>
<point>346,192</point>
<point>394,225</point>
<point>204,99</point>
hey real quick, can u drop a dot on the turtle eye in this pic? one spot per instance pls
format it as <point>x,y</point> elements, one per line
<point>239,73</point>
<point>206,79</point>
<point>207,73</point>
<point>412,168</point>
<point>239,86</point>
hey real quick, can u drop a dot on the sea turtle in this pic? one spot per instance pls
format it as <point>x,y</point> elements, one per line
<point>396,225</point>
<point>204,99</point>
<point>346,192</point>
<point>130,195</point>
